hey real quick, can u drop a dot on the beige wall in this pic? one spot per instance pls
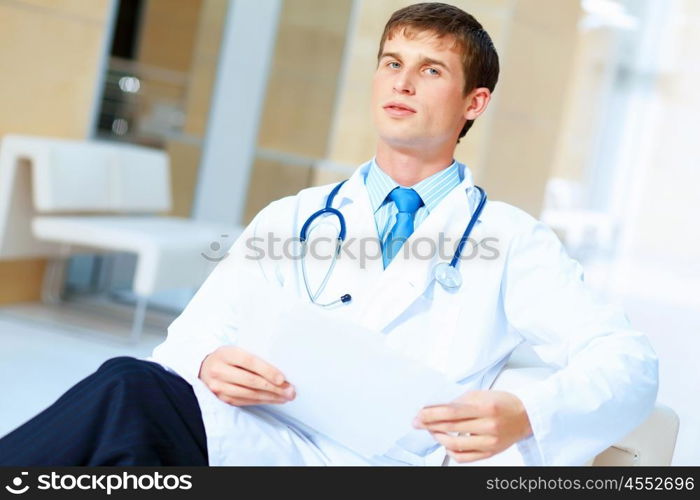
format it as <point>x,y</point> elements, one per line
<point>184,36</point>
<point>300,100</point>
<point>537,51</point>
<point>582,112</point>
<point>166,41</point>
<point>49,65</point>
<point>203,65</point>
<point>168,32</point>
<point>186,156</point>
<point>50,52</point>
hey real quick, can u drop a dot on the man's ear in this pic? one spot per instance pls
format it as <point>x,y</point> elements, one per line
<point>477,101</point>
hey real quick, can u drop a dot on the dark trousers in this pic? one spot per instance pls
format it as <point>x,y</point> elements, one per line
<point>129,412</point>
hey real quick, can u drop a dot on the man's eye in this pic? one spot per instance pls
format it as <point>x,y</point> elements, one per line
<point>393,62</point>
<point>436,72</point>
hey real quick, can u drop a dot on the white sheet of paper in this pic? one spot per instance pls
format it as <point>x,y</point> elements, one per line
<point>350,386</point>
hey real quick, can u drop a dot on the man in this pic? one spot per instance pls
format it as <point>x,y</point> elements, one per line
<point>436,70</point>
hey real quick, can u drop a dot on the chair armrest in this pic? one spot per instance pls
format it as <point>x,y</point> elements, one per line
<point>651,443</point>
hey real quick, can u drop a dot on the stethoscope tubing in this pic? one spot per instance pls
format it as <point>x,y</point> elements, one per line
<point>328,209</point>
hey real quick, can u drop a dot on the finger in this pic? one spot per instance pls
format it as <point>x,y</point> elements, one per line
<point>240,376</point>
<point>465,442</point>
<point>471,425</point>
<point>257,365</point>
<point>238,391</point>
<point>247,402</point>
<point>451,411</point>
<point>468,456</point>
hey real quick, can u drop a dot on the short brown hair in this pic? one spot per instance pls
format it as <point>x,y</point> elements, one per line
<point>479,57</point>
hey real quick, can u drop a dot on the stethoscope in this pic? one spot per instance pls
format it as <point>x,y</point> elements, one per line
<point>444,273</point>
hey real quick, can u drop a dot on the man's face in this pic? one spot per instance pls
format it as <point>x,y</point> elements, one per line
<point>425,75</point>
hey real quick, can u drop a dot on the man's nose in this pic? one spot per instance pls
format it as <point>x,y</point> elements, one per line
<point>403,83</point>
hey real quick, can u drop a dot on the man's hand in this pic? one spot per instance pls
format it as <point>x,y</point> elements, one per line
<point>239,378</point>
<point>488,422</point>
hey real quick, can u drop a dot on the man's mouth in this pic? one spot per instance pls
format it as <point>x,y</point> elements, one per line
<point>399,106</point>
<point>398,109</point>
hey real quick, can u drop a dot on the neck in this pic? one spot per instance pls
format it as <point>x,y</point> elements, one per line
<point>409,167</point>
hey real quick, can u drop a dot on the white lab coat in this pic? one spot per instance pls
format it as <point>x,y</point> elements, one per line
<point>607,377</point>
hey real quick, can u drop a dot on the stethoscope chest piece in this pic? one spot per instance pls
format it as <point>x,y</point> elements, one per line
<point>447,276</point>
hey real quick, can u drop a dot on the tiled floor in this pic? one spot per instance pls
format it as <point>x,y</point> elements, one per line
<point>40,360</point>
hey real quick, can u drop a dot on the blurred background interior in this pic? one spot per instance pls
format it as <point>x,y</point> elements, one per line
<point>590,129</point>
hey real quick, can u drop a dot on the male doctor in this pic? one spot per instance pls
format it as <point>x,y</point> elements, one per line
<point>436,70</point>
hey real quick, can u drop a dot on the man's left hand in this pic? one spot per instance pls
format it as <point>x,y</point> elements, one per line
<point>488,422</point>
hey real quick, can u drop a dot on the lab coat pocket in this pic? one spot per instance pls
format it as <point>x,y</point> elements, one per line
<point>428,332</point>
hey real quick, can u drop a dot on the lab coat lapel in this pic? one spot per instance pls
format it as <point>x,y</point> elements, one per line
<point>407,277</point>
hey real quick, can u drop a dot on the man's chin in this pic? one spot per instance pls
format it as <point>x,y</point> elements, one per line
<point>406,141</point>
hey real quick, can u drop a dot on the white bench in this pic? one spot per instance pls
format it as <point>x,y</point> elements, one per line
<point>59,197</point>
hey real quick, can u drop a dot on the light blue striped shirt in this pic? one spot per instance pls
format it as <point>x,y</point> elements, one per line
<point>431,190</point>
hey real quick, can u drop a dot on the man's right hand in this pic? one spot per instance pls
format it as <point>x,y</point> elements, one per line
<point>239,378</point>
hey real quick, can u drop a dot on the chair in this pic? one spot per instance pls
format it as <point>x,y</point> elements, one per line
<point>651,443</point>
<point>59,197</point>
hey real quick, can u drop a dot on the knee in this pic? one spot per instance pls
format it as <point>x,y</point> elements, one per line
<point>127,369</point>
<point>124,362</point>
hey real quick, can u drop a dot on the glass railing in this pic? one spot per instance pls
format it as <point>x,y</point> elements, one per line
<point>143,104</point>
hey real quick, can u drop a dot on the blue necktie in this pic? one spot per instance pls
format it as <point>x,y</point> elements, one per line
<point>407,201</point>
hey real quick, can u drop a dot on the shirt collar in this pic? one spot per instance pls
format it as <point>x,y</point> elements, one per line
<point>431,189</point>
